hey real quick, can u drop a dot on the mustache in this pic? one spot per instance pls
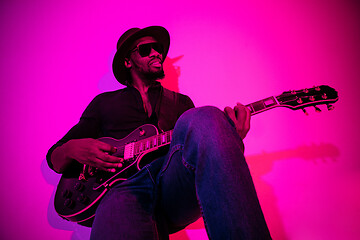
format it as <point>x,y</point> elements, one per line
<point>153,58</point>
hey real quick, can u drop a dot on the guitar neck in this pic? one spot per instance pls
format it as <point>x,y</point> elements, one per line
<point>263,105</point>
<point>292,99</point>
<point>162,139</point>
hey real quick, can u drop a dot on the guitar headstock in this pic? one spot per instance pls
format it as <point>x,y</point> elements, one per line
<point>300,99</point>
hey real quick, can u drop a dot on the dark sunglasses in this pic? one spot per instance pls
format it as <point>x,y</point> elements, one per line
<point>145,49</point>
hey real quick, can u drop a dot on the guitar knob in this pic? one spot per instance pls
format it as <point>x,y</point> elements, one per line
<point>69,203</point>
<point>303,109</point>
<point>79,186</point>
<point>66,193</point>
<point>83,198</point>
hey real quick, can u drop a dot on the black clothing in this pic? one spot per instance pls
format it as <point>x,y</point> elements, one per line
<point>116,114</point>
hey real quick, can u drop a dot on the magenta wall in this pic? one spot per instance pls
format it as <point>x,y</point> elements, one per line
<point>56,56</point>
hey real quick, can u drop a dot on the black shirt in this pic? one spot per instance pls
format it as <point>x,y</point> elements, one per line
<point>116,114</point>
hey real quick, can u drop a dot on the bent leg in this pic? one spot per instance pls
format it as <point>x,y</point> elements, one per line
<point>127,211</point>
<point>206,171</point>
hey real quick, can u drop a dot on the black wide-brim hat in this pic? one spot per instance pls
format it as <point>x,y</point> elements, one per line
<point>159,33</point>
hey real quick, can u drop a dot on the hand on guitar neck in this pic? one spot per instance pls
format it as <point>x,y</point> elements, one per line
<point>240,115</point>
<point>87,151</point>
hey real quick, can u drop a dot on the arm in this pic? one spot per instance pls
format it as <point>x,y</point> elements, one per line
<point>87,151</point>
<point>80,144</point>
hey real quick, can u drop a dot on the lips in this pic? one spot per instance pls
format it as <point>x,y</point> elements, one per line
<point>156,63</point>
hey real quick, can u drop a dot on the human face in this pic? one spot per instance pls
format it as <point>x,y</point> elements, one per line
<point>144,49</point>
<point>148,66</point>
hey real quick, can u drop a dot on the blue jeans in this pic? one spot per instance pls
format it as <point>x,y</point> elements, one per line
<point>204,174</point>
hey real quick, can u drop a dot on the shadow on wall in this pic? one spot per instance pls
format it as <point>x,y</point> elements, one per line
<point>263,163</point>
<point>260,165</point>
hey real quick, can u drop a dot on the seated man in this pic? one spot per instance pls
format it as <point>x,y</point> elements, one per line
<point>203,174</point>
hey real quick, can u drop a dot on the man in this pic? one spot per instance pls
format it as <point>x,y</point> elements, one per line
<point>204,173</point>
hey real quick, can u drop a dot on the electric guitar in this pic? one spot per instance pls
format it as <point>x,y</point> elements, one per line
<point>80,190</point>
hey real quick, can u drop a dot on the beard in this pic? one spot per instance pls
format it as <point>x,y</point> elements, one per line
<point>152,76</point>
<point>148,73</point>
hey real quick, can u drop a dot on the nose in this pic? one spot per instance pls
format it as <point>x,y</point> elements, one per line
<point>154,53</point>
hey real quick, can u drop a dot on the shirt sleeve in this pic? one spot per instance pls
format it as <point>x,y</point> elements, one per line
<point>185,103</point>
<point>87,127</point>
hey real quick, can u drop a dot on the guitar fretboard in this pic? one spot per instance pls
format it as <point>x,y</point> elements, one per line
<point>262,105</point>
<point>291,99</point>
<point>162,139</point>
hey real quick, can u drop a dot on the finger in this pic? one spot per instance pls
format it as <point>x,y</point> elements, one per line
<point>105,147</point>
<point>247,120</point>
<point>115,159</point>
<point>246,115</point>
<point>231,113</point>
<point>107,166</point>
<point>240,111</point>
<point>102,151</point>
<point>243,116</point>
<point>109,158</point>
<point>104,166</point>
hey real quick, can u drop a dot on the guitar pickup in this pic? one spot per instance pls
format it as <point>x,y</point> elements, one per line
<point>129,151</point>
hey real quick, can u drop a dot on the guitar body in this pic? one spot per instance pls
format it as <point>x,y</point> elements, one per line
<point>80,190</point>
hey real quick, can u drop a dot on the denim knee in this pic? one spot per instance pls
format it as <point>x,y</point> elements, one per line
<point>203,112</point>
<point>207,118</point>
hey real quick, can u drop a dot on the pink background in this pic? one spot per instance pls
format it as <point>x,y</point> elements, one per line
<point>56,56</point>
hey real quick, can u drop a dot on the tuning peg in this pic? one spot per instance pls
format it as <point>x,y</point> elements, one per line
<point>317,109</point>
<point>330,107</point>
<point>304,110</point>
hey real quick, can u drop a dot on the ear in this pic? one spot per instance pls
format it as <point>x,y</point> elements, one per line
<point>127,63</point>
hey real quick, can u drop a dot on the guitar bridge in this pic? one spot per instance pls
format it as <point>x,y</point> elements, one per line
<point>129,151</point>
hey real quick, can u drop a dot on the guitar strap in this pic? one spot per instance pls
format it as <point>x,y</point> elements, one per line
<point>167,109</point>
